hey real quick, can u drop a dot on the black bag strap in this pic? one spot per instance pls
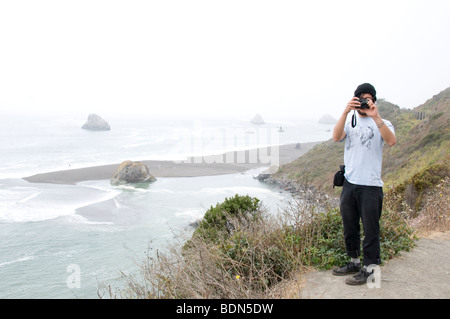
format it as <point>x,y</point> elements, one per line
<point>354,119</point>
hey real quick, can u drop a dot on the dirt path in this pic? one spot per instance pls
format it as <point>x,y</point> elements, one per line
<point>424,272</point>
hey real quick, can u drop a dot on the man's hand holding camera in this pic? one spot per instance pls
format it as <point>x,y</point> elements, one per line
<point>368,108</point>
<point>364,106</point>
<point>352,105</point>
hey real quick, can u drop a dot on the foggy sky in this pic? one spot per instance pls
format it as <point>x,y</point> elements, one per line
<point>290,58</point>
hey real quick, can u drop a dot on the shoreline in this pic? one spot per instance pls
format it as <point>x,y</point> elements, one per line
<point>226,163</point>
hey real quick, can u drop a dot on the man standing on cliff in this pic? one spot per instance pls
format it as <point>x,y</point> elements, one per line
<point>362,193</point>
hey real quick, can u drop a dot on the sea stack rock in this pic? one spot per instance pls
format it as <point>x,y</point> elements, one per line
<point>96,123</point>
<point>267,173</point>
<point>327,119</point>
<point>130,172</point>
<point>258,120</point>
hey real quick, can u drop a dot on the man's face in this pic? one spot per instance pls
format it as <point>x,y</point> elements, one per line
<point>366,96</point>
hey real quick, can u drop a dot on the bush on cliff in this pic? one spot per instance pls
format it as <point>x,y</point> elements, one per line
<point>241,252</point>
<point>217,223</point>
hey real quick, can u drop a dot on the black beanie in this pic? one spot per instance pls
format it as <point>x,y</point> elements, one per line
<point>366,88</point>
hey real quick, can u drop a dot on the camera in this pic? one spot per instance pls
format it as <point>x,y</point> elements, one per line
<point>364,104</point>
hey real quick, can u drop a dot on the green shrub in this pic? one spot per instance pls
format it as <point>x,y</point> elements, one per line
<point>396,234</point>
<point>216,223</point>
<point>320,241</point>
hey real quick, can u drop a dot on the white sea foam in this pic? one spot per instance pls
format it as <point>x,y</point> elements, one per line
<point>191,213</point>
<point>26,199</point>
<point>44,202</point>
<point>21,259</point>
<point>162,191</point>
<point>133,188</point>
<point>242,190</point>
<point>78,219</point>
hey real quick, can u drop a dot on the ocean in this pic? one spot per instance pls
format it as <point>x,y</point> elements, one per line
<point>63,241</point>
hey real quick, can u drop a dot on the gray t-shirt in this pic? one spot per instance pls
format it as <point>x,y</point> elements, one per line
<point>364,152</point>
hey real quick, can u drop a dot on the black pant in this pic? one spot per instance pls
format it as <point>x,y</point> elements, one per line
<point>365,203</point>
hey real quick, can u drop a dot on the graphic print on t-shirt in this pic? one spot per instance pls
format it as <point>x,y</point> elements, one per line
<point>363,135</point>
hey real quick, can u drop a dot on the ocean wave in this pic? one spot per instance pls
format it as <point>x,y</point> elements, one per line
<point>129,187</point>
<point>40,202</point>
<point>243,190</point>
<point>193,213</point>
<point>161,191</point>
<point>21,259</point>
<point>78,219</point>
<point>26,199</point>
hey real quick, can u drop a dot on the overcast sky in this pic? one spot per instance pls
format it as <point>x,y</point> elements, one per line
<point>289,58</point>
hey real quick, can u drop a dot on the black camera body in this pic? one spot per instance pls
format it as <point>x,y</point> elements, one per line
<point>364,104</point>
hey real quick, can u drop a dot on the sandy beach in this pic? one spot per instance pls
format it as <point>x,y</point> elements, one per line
<point>228,163</point>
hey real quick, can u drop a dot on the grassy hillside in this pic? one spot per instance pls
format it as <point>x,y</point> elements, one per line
<point>420,158</point>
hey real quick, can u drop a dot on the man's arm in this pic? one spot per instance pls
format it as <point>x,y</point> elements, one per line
<point>387,135</point>
<point>338,131</point>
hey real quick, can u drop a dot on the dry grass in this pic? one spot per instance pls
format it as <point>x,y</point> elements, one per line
<point>256,262</point>
<point>435,216</point>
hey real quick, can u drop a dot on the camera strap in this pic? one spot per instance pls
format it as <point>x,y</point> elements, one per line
<point>354,119</point>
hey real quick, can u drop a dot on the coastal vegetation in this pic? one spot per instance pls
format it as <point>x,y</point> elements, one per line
<point>239,251</point>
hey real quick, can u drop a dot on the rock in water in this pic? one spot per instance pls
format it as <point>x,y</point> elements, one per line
<point>258,120</point>
<point>327,119</point>
<point>96,123</point>
<point>131,172</point>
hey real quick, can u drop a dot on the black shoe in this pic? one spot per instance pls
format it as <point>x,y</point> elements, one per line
<point>348,269</point>
<point>359,279</point>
